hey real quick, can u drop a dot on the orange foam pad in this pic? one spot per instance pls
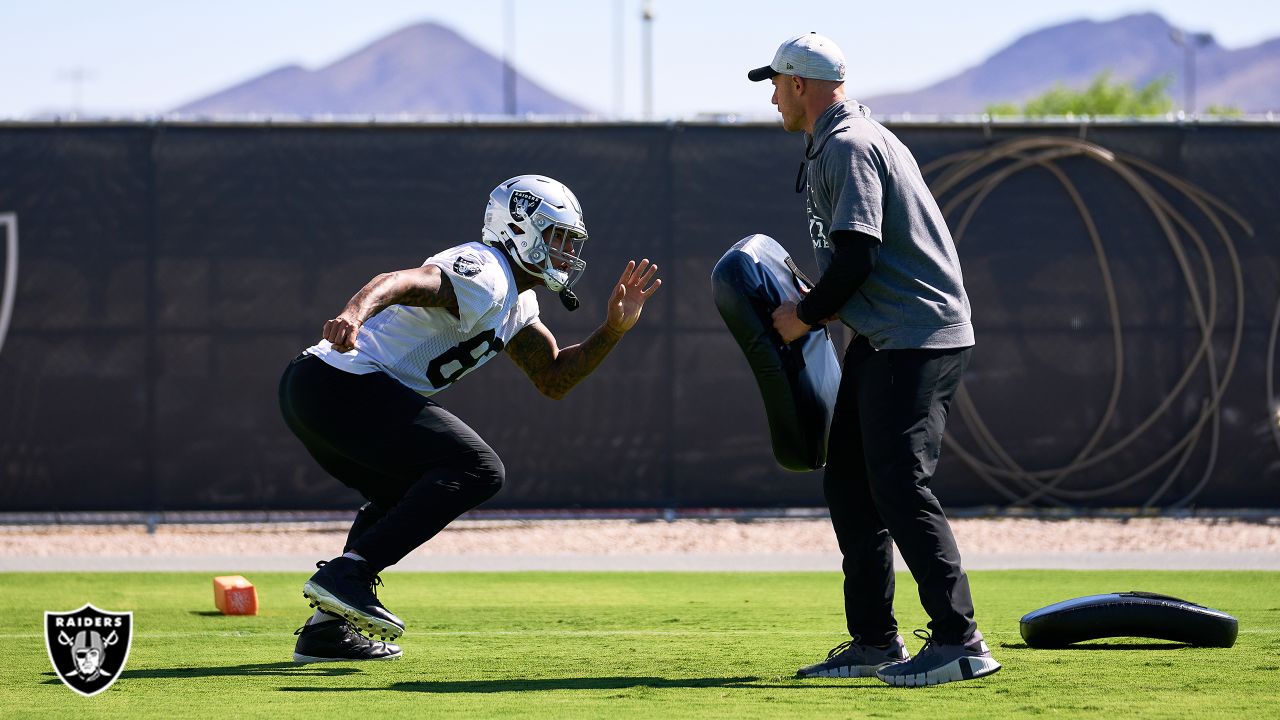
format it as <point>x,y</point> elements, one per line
<point>234,595</point>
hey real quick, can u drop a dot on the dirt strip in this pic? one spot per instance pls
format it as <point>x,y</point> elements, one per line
<point>629,537</point>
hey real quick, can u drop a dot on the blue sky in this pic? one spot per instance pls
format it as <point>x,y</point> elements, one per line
<point>148,56</point>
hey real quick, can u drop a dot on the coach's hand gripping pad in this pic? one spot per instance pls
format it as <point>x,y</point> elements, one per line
<point>1131,614</point>
<point>798,382</point>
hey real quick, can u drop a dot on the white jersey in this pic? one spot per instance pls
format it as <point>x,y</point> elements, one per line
<point>429,349</point>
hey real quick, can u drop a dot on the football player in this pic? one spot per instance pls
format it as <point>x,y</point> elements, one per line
<point>362,399</point>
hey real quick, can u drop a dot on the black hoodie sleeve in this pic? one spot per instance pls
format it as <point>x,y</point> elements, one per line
<point>854,257</point>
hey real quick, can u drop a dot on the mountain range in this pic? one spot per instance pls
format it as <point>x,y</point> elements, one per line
<point>428,69</point>
<point>1135,48</point>
<point>423,69</point>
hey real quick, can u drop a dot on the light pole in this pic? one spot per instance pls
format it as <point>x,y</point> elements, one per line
<point>509,59</point>
<point>77,77</point>
<point>646,14</point>
<point>619,67</point>
<point>1190,43</point>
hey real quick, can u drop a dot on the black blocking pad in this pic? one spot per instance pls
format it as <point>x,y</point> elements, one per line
<point>1129,614</point>
<point>798,382</point>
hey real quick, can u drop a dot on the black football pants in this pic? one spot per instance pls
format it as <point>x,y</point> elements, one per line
<point>419,466</point>
<point>886,436</point>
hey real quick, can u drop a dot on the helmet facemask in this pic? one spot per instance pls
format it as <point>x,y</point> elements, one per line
<point>538,221</point>
<point>561,250</point>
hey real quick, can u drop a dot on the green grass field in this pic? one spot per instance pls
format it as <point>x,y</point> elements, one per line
<point>662,645</point>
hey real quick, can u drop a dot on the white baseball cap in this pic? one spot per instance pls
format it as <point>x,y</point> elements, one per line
<point>808,56</point>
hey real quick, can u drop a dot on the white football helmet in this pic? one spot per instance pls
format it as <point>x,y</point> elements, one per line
<point>539,223</point>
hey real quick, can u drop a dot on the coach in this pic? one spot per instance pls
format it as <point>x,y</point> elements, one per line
<point>890,272</point>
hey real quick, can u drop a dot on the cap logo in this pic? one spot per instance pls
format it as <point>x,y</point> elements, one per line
<point>790,66</point>
<point>523,204</point>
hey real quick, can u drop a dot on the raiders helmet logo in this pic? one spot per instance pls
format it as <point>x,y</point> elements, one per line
<point>523,204</point>
<point>466,266</point>
<point>88,647</point>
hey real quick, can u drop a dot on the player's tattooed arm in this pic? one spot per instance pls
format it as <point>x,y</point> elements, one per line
<point>424,286</point>
<point>554,371</point>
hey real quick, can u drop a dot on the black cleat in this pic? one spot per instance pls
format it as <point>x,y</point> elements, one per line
<point>335,640</point>
<point>345,588</point>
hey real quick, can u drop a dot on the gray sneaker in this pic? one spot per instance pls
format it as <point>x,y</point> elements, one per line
<point>937,663</point>
<point>852,659</point>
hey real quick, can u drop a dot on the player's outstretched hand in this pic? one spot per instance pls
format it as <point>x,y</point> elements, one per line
<point>634,287</point>
<point>341,332</point>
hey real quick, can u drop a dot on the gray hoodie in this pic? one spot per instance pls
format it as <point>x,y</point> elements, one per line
<point>861,177</point>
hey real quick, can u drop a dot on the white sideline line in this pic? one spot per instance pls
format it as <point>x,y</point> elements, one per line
<point>537,633</point>
<point>483,633</point>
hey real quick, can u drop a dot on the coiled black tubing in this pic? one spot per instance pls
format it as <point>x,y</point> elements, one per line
<point>962,181</point>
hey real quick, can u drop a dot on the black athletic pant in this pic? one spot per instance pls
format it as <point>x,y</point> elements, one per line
<point>885,439</point>
<point>419,466</point>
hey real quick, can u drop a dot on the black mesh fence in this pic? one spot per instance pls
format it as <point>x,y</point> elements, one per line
<point>1124,280</point>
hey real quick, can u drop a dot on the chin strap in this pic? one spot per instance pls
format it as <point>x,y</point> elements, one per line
<point>569,300</point>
